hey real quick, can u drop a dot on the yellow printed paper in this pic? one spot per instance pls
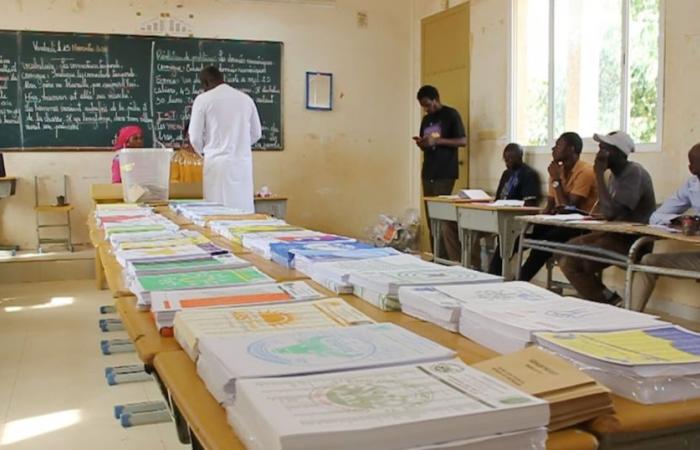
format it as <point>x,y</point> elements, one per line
<point>667,345</point>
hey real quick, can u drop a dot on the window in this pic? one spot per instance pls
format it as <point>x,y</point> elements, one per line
<point>586,66</point>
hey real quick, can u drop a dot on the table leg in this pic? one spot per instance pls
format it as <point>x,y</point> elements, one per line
<point>507,242</point>
<point>99,271</point>
<point>437,238</point>
<point>519,259</point>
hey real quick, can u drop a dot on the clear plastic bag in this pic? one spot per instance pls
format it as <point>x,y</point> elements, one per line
<point>399,233</point>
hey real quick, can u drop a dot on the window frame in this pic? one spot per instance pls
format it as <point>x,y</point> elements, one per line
<point>589,145</point>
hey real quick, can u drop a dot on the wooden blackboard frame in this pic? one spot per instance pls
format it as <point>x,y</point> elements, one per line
<point>79,149</point>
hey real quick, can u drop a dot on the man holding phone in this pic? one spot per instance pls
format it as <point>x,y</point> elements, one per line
<point>441,134</point>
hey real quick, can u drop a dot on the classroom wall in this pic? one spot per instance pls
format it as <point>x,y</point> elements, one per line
<point>339,169</point>
<point>489,112</point>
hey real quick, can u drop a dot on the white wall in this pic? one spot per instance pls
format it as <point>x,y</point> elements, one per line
<point>339,169</point>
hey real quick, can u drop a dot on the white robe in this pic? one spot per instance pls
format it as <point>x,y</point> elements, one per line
<point>223,127</point>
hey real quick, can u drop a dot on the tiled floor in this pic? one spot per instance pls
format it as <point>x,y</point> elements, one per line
<point>53,394</point>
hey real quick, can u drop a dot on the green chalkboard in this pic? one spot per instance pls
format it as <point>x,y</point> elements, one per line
<point>64,90</point>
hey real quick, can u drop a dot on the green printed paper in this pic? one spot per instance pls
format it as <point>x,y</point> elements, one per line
<point>213,278</point>
<point>169,265</point>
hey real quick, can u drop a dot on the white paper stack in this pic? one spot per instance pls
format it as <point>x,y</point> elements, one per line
<point>192,325</point>
<point>189,264</point>
<point>259,243</point>
<point>535,439</point>
<point>504,317</point>
<point>335,275</point>
<point>124,257</point>
<point>656,365</point>
<point>433,304</point>
<point>227,228</point>
<point>225,360</point>
<point>164,304</point>
<point>183,237</point>
<point>381,288</point>
<point>380,409</point>
<point>116,239</point>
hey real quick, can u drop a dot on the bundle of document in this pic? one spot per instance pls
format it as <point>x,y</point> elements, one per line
<point>434,305</point>
<point>139,228</point>
<point>178,206</point>
<point>573,396</point>
<point>300,255</point>
<point>505,316</point>
<point>336,275</point>
<point>143,285</point>
<point>381,288</point>
<point>164,304</point>
<point>124,257</point>
<point>260,243</point>
<point>655,365</point>
<point>186,264</point>
<point>116,239</point>
<point>430,405</point>
<point>192,325</point>
<point>183,237</point>
<point>233,229</point>
<point>224,360</point>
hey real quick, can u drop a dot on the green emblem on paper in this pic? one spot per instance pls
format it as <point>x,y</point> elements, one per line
<point>447,368</point>
<point>377,395</point>
<point>313,346</point>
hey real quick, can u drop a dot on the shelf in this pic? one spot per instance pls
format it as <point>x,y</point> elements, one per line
<point>53,208</point>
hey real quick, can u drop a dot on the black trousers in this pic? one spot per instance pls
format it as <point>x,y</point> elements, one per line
<point>450,236</point>
<point>537,258</point>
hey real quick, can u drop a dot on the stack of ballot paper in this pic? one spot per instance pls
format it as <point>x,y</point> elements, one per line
<point>192,325</point>
<point>238,232</point>
<point>190,264</point>
<point>117,239</point>
<point>190,238</point>
<point>259,243</point>
<point>143,285</point>
<point>573,396</point>
<point>381,288</point>
<point>504,317</point>
<point>168,253</point>
<point>164,304</point>
<point>223,360</point>
<point>335,275</point>
<point>648,366</point>
<point>400,407</point>
<point>226,228</point>
<point>178,206</point>
<point>432,304</point>
<point>285,254</point>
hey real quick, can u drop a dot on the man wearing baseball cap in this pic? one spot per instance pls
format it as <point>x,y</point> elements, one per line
<point>627,197</point>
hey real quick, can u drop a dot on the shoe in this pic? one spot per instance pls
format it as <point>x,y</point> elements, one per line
<point>615,300</point>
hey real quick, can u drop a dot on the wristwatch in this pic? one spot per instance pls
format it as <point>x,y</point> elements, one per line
<point>556,184</point>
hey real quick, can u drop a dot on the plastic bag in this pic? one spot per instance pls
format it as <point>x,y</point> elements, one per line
<point>399,233</point>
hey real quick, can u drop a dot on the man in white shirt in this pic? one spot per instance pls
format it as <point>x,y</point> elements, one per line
<point>223,127</point>
<point>687,197</point>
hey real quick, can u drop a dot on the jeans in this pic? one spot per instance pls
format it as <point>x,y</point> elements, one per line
<point>448,230</point>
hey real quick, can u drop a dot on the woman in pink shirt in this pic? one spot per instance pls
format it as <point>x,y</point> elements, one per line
<point>130,136</point>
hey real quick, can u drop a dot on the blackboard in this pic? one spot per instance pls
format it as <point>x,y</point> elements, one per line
<point>65,90</point>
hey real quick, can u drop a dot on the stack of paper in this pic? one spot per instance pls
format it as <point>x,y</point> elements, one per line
<point>168,253</point>
<point>238,233</point>
<point>432,304</point>
<point>179,206</point>
<point>143,285</point>
<point>117,239</point>
<point>164,304</point>
<point>535,439</point>
<point>647,365</point>
<point>191,264</point>
<point>399,407</point>
<point>185,237</point>
<point>504,317</point>
<point>381,288</point>
<point>335,275</point>
<point>475,195</point>
<point>290,254</point>
<point>573,396</point>
<point>259,243</point>
<point>225,360</point>
<point>192,325</point>
<point>225,227</point>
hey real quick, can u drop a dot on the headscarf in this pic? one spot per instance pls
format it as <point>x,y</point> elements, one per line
<point>126,133</point>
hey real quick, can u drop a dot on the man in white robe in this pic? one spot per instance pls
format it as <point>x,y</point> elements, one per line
<point>223,127</point>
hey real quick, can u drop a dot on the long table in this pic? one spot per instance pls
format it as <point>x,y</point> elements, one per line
<point>203,421</point>
<point>630,262</point>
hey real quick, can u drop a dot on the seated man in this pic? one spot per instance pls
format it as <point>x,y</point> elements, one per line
<point>518,182</point>
<point>572,187</point>
<point>687,197</point>
<point>628,197</point>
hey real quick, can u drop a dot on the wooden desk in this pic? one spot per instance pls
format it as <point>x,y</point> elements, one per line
<point>8,186</point>
<point>492,219</point>
<point>440,209</point>
<point>571,440</point>
<point>629,262</point>
<point>142,330</point>
<point>274,206</point>
<point>649,427</point>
